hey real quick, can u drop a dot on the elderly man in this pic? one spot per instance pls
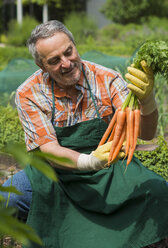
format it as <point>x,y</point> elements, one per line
<point>65,108</point>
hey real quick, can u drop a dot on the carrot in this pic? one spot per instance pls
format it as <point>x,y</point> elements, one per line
<point>110,127</point>
<point>112,134</point>
<point>120,143</point>
<point>137,115</point>
<point>131,136</point>
<point>121,116</point>
<point>131,128</point>
<point>127,132</point>
<point>130,155</point>
<point>124,125</point>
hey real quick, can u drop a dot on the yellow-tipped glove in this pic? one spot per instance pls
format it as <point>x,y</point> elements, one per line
<point>142,81</point>
<point>97,159</point>
<point>103,151</point>
<point>142,86</point>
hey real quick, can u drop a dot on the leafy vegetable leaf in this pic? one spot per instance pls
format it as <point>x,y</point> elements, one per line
<point>18,230</point>
<point>155,53</point>
<point>19,152</point>
<point>10,189</point>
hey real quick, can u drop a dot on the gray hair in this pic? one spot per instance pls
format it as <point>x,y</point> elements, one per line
<point>43,31</point>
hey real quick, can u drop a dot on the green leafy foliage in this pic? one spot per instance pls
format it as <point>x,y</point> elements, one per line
<point>124,11</point>
<point>35,159</point>
<point>19,33</point>
<point>158,25</point>
<point>10,189</point>
<point>9,225</point>
<point>156,160</point>
<point>10,127</point>
<point>155,53</point>
<point>133,35</point>
<point>7,99</point>
<point>129,11</point>
<point>161,93</point>
<point>41,2</point>
<point>9,53</point>
<point>81,26</point>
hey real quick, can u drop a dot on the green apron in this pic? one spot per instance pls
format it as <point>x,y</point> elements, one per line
<point>103,209</point>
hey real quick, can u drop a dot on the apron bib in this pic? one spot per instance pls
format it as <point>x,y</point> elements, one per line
<point>103,209</point>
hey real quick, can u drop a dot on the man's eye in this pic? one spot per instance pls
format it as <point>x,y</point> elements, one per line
<point>68,52</point>
<point>54,62</point>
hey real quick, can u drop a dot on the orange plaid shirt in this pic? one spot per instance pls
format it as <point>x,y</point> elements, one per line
<point>34,102</point>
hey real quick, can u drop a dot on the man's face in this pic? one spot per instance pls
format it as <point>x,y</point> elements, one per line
<point>60,59</point>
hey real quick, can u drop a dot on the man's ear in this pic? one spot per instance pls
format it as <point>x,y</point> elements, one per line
<point>42,67</point>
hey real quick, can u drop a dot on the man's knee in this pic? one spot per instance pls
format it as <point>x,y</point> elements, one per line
<point>21,202</point>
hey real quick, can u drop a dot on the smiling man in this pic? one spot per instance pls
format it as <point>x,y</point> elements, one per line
<point>65,108</point>
<point>59,57</point>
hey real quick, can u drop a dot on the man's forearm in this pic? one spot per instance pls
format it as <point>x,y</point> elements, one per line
<point>55,149</point>
<point>94,161</point>
<point>148,125</point>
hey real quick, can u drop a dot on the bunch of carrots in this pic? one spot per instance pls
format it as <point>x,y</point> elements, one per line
<point>125,123</point>
<point>123,127</point>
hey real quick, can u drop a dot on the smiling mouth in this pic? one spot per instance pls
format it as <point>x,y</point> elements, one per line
<point>68,71</point>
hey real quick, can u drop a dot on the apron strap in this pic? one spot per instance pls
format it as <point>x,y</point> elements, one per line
<point>97,112</point>
<point>53,97</point>
<point>53,101</point>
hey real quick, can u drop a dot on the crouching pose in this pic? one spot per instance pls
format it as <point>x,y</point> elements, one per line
<point>65,108</point>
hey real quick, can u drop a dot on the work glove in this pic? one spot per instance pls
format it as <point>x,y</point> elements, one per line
<point>98,159</point>
<point>142,86</point>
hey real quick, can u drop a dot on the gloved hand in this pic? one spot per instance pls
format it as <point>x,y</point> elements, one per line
<point>142,86</point>
<point>98,159</point>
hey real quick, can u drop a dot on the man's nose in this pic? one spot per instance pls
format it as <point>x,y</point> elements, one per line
<point>65,62</point>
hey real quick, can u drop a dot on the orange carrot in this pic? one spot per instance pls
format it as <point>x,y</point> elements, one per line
<point>120,143</point>
<point>127,132</point>
<point>131,127</point>
<point>112,134</point>
<point>131,136</point>
<point>137,115</point>
<point>121,116</point>
<point>130,122</point>
<point>110,127</point>
<point>135,134</point>
<point>130,155</point>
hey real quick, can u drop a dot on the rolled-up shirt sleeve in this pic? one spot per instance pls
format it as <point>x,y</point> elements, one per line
<point>35,118</point>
